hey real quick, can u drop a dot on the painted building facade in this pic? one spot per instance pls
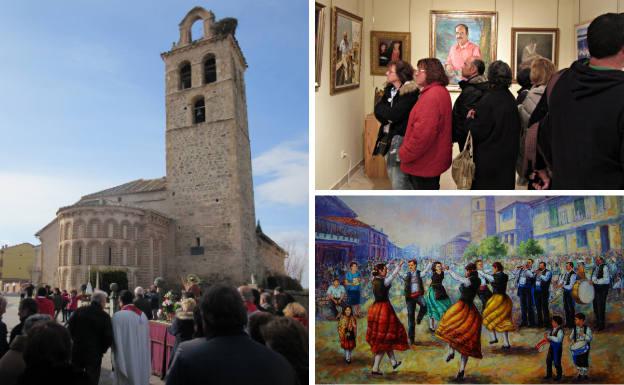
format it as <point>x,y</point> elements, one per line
<point>576,224</point>
<point>515,224</point>
<point>340,237</point>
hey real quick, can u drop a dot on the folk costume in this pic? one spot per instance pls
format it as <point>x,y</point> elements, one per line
<point>555,338</point>
<point>437,299</point>
<point>581,361</point>
<point>347,332</point>
<point>385,333</point>
<point>414,291</point>
<point>497,312</point>
<point>460,326</point>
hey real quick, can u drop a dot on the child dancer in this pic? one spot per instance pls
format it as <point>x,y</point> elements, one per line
<point>347,331</point>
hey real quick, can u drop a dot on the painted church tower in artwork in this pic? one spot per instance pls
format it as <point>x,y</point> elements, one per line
<point>208,158</point>
<point>483,218</point>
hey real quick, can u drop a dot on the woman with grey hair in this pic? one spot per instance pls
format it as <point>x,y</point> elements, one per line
<point>495,127</point>
<point>12,364</point>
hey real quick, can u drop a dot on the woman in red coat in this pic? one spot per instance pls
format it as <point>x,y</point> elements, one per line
<point>427,147</point>
<point>385,332</point>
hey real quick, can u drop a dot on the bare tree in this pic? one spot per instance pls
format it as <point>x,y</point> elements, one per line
<point>296,261</point>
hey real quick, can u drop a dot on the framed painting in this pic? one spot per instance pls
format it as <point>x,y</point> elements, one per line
<point>457,35</point>
<point>387,47</point>
<point>528,44</point>
<point>383,264</point>
<point>580,33</point>
<point>319,26</point>
<point>346,51</point>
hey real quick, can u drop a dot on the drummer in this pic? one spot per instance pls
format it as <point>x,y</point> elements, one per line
<point>581,332</point>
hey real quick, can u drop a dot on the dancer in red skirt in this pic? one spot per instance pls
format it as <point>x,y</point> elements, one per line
<point>385,333</point>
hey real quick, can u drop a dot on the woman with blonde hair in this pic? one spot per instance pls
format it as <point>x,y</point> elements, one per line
<point>531,110</point>
<point>183,325</point>
<point>296,311</point>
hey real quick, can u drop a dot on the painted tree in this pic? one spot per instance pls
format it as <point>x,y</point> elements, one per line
<point>471,251</point>
<point>492,247</point>
<point>530,248</point>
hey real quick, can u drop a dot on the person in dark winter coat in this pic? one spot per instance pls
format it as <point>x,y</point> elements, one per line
<point>392,111</point>
<point>427,148</point>
<point>495,128</point>
<point>183,325</point>
<point>582,137</point>
<point>142,303</point>
<point>472,89</point>
<point>92,334</point>
<point>234,357</point>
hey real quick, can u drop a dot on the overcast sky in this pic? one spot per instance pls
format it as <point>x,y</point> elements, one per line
<point>423,220</point>
<point>82,104</point>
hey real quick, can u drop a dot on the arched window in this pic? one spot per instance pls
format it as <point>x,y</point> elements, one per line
<point>185,76</point>
<point>210,69</point>
<point>110,255</point>
<point>199,111</point>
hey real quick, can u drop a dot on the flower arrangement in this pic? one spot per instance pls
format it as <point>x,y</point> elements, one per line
<point>170,305</point>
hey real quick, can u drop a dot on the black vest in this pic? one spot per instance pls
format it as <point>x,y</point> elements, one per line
<point>467,294</point>
<point>436,285</point>
<point>568,277</point>
<point>545,285</point>
<point>380,291</point>
<point>499,286</point>
<point>554,332</point>
<point>408,283</point>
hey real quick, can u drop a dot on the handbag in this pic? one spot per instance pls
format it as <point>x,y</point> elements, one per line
<point>463,167</point>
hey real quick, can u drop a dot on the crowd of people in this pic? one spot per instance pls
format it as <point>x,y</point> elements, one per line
<point>545,297</point>
<point>562,131</point>
<point>216,335</point>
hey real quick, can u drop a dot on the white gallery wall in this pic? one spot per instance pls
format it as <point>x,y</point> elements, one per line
<point>340,118</point>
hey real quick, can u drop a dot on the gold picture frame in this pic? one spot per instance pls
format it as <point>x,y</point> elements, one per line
<point>319,19</point>
<point>385,41</point>
<point>346,51</point>
<point>482,31</point>
<point>533,43</point>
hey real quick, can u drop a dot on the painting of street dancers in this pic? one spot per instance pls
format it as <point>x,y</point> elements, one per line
<point>483,289</point>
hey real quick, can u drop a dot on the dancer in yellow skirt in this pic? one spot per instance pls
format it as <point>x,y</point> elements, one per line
<point>460,325</point>
<point>497,312</point>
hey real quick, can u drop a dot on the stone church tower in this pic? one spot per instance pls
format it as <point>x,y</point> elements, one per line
<point>200,217</point>
<point>483,218</point>
<point>209,178</point>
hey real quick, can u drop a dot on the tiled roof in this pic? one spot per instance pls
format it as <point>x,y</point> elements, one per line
<point>136,186</point>
<point>348,221</point>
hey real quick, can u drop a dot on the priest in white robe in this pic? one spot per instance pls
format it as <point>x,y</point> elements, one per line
<point>131,344</point>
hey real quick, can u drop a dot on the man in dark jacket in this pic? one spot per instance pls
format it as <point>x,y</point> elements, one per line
<point>142,303</point>
<point>234,357</point>
<point>582,137</point>
<point>27,307</point>
<point>92,334</point>
<point>472,89</point>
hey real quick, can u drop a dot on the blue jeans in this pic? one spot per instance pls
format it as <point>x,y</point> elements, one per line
<point>398,179</point>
